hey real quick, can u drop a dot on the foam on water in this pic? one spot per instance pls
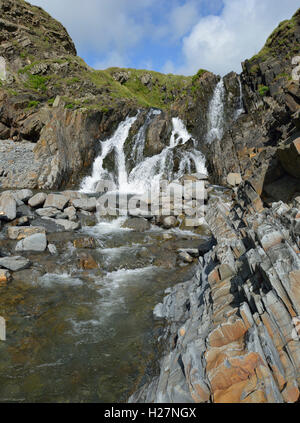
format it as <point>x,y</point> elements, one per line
<point>216,113</point>
<point>50,280</point>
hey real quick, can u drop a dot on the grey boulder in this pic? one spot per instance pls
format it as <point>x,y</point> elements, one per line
<point>15,263</point>
<point>36,242</point>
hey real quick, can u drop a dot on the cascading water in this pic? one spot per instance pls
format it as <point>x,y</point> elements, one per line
<point>216,113</point>
<point>114,144</point>
<point>149,170</point>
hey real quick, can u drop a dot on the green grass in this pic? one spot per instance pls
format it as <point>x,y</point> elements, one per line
<point>198,75</point>
<point>70,106</point>
<point>73,80</point>
<point>277,41</point>
<point>37,82</point>
<point>32,104</point>
<point>263,90</point>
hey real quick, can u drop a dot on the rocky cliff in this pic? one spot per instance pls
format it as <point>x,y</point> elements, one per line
<point>259,144</point>
<point>233,330</point>
<point>48,93</point>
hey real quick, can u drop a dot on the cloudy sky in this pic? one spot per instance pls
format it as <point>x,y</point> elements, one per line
<point>172,36</point>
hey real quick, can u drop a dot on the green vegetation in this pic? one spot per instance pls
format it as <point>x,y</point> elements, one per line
<point>72,81</point>
<point>283,75</point>
<point>32,104</point>
<point>263,90</point>
<point>279,40</point>
<point>69,106</point>
<point>254,69</point>
<point>198,75</point>
<point>37,82</point>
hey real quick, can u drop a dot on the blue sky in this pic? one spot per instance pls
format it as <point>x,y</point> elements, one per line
<point>171,36</point>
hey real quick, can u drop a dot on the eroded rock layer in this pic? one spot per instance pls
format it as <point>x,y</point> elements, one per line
<point>232,329</point>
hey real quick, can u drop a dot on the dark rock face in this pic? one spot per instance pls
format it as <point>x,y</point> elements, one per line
<point>272,104</point>
<point>24,27</point>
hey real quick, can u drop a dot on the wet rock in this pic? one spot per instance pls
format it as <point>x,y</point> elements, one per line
<point>193,252</point>
<point>14,263</point>
<point>170,222</point>
<point>35,242</point>
<point>37,200</point>
<point>185,256</point>
<point>18,233</point>
<point>87,262</point>
<point>87,242</point>
<point>50,225</point>
<point>87,219</point>
<point>4,277</point>
<point>57,201</point>
<point>206,246</point>
<point>68,225</point>
<point>21,221</point>
<point>88,204</point>
<point>8,207</point>
<point>137,224</point>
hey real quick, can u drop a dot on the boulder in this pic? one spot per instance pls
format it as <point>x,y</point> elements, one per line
<point>88,204</point>
<point>67,224</point>
<point>47,212</point>
<point>24,195</point>
<point>234,179</point>
<point>4,277</point>
<point>186,257</point>
<point>8,207</point>
<point>37,200</point>
<point>169,222</point>
<point>36,242</point>
<point>50,225</point>
<point>87,242</point>
<point>15,263</point>
<point>137,224</point>
<point>71,213</point>
<point>21,232</point>
<point>57,201</point>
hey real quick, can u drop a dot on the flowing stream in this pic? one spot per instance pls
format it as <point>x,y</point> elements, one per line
<point>76,335</point>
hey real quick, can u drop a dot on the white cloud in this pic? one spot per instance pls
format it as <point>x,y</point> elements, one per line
<point>113,59</point>
<point>99,25</point>
<point>113,32</point>
<point>220,43</point>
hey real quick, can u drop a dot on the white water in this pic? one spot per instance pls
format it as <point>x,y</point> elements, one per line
<point>149,170</point>
<point>114,144</point>
<point>216,114</point>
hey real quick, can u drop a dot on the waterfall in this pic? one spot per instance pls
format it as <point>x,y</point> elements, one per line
<point>114,145</point>
<point>241,109</point>
<point>175,160</point>
<point>216,114</point>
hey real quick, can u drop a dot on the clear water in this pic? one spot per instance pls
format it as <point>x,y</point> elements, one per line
<point>78,335</point>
